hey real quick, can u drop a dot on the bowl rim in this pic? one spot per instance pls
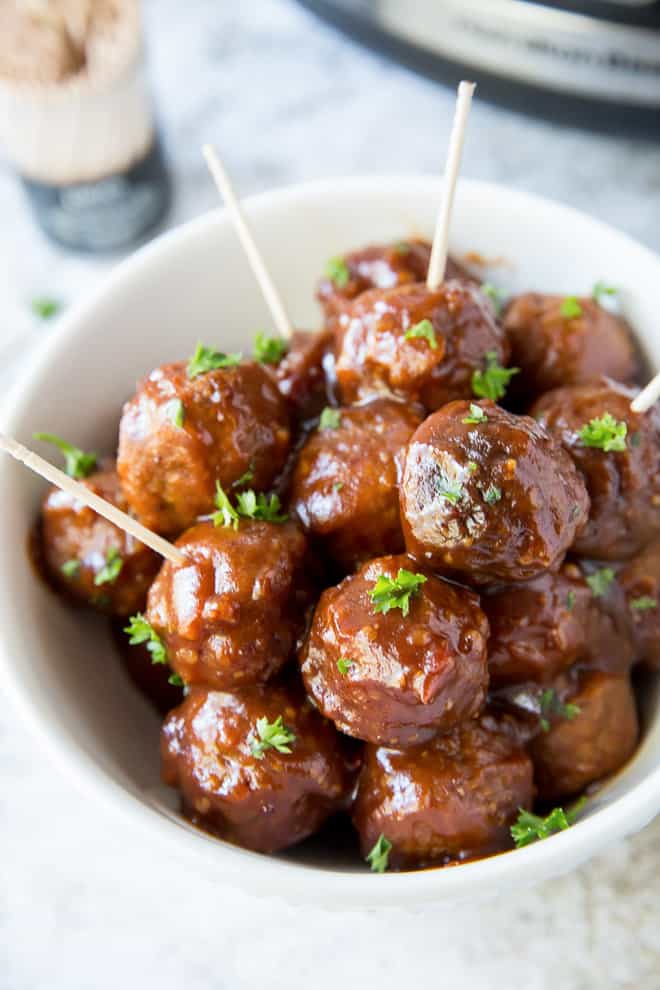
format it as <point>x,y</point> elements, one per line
<point>289,880</point>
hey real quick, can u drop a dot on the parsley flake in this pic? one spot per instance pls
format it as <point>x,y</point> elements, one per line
<point>176,680</point>
<point>423,329</point>
<point>570,308</point>
<point>269,350</point>
<point>226,514</point>
<point>272,735</point>
<point>472,466</point>
<point>529,827</point>
<point>337,271</point>
<point>253,506</point>
<point>492,382</point>
<point>246,478</point>
<point>604,432</point>
<point>492,494</point>
<point>570,601</point>
<point>175,412</point>
<point>77,463</point>
<point>642,604</point>
<point>338,485</point>
<point>344,664</point>
<point>402,247</point>
<point>45,308</point>
<point>111,569</point>
<point>141,631</point>
<point>497,296</point>
<point>71,568</point>
<point>388,593</point>
<point>448,488</point>
<point>600,581</point>
<point>476,414</point>
<point>379,855</point>
<point>206,359</point>
<point>329,419</point>
<point>602,290</point>
<point>551,705</point>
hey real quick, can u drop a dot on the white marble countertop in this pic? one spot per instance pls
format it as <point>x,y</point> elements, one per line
<point>83,904</point>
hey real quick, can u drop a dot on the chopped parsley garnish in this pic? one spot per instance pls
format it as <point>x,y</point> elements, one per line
<point>226,514</point>
<point>337,271</point>
<point>570,601</point>
<point>45,308</point>
<point>246,478</point>
<point>530,827</point>
<point>141,631</point>
<point>448,488</point>
<point>338,485</point>
<point>493,382</point>
<point>492,494</point>
<point>423,329</point>
<point>206,359</point>
<point>472,466</point>
<point>272,735</point>
<point>77,463</point>
<point>259,506</point>
<point>497,296</point>
<point>642,604</point>
<point>269,350</point>
<point>344,664</point>
<point>175,412</point>
<point>402,247</point>
<point>388,593</point>
<point>330,419</point>
<point>570,308</point>
<point>111,569</point>
<point>176,680</point>
<point>601,290</point>
<point>551,705</point>
<point>600,581</point>
<point>604,432</point>
<point>71,568</point>
<point>476,414</point>
<point>379,855</point>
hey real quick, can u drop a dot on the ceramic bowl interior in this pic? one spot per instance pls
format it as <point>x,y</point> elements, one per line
<point>194,284</point>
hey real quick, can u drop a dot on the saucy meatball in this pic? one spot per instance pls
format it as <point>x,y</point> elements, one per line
<point>618,453</point>
<point>640,582</point>
<point>489,495</point>
<point>260,768</point>
<point>415,344</point>
<point>451,799</point>
<point>398,676</point>
<point>231,614</point>
<point>90,559</point>
<point>576,752</point>
<point>559,341</point>
<point>180,435</point>
<point>299,374</point>
<point>345,483</point>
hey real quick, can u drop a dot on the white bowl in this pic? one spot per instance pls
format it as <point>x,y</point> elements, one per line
<point>194,284</point>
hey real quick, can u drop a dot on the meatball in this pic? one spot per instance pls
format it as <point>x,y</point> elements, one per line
<point>299,374</point>
<point>576,752</point>
<point>396,677</point>
<point>179,436</point>
<point>623,482</point>
<point>640,582</point>
<point>378,266</point>
<point>345,484</point>
<point>489,495</point>
<point>553,349</point>
<point>416,345</point>
<point>231,614</point>
<point>259,768</point>
<point>453,798</point>
<point>90,559</point>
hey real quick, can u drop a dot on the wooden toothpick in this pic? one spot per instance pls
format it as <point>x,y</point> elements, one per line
<point>438,261</point>
<point>650,394</point>
<point>261,273</point>
<point>85,495</point>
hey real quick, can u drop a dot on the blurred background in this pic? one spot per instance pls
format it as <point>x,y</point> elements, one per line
<point>568,106</point>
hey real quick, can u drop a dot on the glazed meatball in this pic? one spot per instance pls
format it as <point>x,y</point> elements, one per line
<point>640,582</point>
<point>596,742</point>
<point>88,558</point>
<point>396,677</point>
<point>378,266</point>
<point>489,495</point>
<point>452,799</point>
<point>623,482</point>
<point>231,614</point>
<point>553,349</point>
<point>299,374</point>
<point>345,483</point>
<point>181,435</point>
<point>416,345</point>
<point>215,749</point>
